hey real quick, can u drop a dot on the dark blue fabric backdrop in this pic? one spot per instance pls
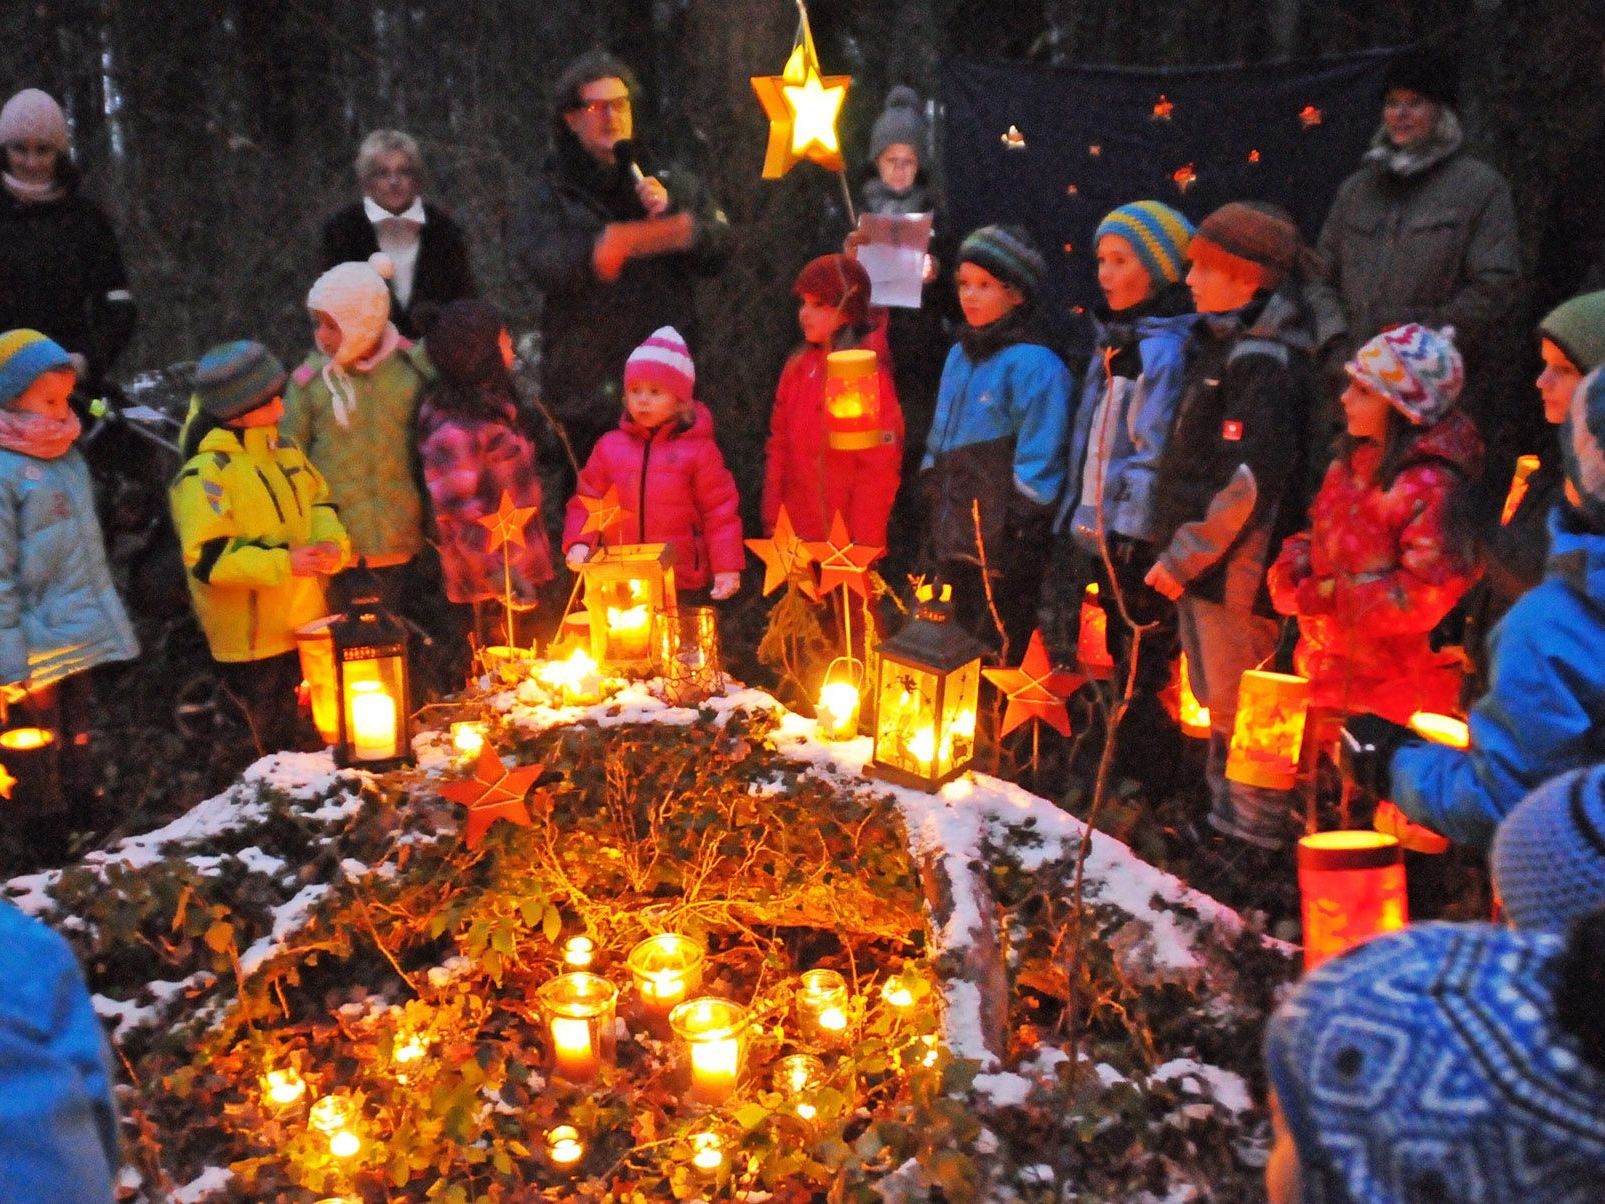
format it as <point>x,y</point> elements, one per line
<point>1095,130</point>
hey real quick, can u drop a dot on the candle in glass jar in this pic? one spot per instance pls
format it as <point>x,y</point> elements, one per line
<point>822,1006</point>
<point>373,721</point>
<point>579,1010</point>
<point>666,969</point>
<point>283,1087</point>
<point>564,1147</point>
<point>468,737</point>
<point>713,1032</point>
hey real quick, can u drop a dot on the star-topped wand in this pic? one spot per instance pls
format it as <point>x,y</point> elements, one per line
<point>506,527</point>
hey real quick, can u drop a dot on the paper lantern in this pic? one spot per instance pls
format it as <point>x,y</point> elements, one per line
<point>314,643</point>
<point>627,589</point>
<point>30,770</point>
<point>1417,838</point>
<point>578,1011</point>
<point>688,654</point>
<point>928,680</point>
<point>713,1045</point>
<point>853,400</point>
<point>1441,729</point>
<point>1525,467</point>
<point>1191,715</point>
<point>1092,639</point>
<point>1351,887</point>
<point>1269,732</point>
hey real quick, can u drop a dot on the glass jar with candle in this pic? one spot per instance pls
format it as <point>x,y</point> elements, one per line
<point>578,1010</point>
<point>564,1147</point>
<point>667,969</point>
<point>822,1008</point>
<point>798,1077</point>
<point>713,1038</point>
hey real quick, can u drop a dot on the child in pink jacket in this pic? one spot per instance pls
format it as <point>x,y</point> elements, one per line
<point>671,480</point>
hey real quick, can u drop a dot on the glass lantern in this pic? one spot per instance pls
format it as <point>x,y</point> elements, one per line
<point>1351,888</point>
<point>840,699</point>
<point>926,688</point>
<point>822,1008</point>
<point>853,400</point>
<point>578,1010</point>
<point>688,651</point>
<point>371,688</point>
<point>1268,735</point>
<point>627,589</point>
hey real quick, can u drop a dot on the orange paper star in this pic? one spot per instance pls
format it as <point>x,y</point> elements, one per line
<point>1163,108</point>
<point>494,792</point>
<point>785,558</point>
<point>802,106</point>
<point>1035,690</point>
<point>843,563</point>
<point>7,782</point>
<point>604,514</point>
<point>507,524</point>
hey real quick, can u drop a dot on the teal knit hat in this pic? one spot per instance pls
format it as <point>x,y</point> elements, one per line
<point>1156,233</point>
<point>1007,252</point>
<point>1577,327</point>
<point>232,379</point>
<point>25,356</point>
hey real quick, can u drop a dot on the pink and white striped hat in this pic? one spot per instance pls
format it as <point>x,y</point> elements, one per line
<point>662,360</point>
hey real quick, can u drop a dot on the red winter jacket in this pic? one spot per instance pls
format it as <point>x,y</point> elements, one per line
<point>675,489</point>
<point>811,480</point>
<point>1376,572</point>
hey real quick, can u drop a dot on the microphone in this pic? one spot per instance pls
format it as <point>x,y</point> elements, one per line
<point>624,155</point>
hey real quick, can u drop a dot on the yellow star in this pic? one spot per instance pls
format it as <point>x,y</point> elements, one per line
<point>802,106</point>
<point>815,109</point>
<point>507,524</point>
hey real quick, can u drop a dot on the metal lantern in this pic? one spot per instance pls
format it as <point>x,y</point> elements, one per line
<point>1351,888</point>
<point>1269,732</point>
<point>841,699</point>
<point>369,647</point>
<point>853,400</point>
<point>627,589</point>
<point>1092,638</point>
<point>315,644</point>
<point>688,651</point>
<point>926,686</point>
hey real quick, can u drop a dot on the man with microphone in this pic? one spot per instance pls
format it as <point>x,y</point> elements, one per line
<point>612,239</point>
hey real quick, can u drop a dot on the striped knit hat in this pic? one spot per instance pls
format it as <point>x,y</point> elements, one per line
<point>232,379</point>
<point>1417,368</point>
<point>25,356</point>
<point>1582,449</point>
<point>1156,233</point>
<point>663,360</point>
<point>1549,853</point>
<point>1006,252</point>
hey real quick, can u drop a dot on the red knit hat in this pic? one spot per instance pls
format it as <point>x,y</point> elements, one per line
<point>1253,240</point>
<point>837,280</point>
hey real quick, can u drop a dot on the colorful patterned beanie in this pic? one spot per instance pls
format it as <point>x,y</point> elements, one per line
<point>1156,233</point>
<point>1008,253</point>
<point>1549,853</point>
<point>1430,1065</point>
<point>25,356</point>
<point>1582,449</point>
<point>1418,368</point>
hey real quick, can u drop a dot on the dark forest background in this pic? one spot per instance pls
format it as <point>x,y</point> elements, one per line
<point>218,134</point>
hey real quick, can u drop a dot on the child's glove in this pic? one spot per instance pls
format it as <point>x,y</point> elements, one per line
<point>578,555</point>
<point>724,586</point>
<point>1366,748</point>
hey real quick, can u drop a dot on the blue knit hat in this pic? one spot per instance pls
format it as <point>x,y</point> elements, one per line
<point>232,379</point>
<point>1549,853</point>
<point>25,356</point>
<point>1429,1065</point>
<point>1008,253</point>
<point>1156,233</point>
<point>1582,449</point>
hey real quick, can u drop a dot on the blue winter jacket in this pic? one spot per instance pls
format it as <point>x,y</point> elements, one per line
<point>1132,419</point>
<point>1544,712</point>
<point>59,612</point>
<point>58,1125</point>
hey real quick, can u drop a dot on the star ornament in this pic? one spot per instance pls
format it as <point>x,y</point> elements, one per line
<point>507,524</point>
<point>493,792</point>
<point>7,782</point>
<point>603,515</point>
<point>802,106</point>
<point>843,563</point>
<point>785,557</point>
<point>1035,690</point>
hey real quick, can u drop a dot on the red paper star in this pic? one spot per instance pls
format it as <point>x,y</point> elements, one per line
<point>1034,690</point>
<point>507,524</point>
<point>843,562</point>
<point>1310,116</point>
<point>785,557</point>
<point>494,792</point>
<point>602,514</point>
<point>1163,108</point>
<point>7,782</point>
<point>1185,177</point>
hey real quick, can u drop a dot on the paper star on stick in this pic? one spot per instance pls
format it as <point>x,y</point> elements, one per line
<point>604,514</point>
<point>785,558</point>
<point>1035,690</point>
<point>493,792</point>
<point>7,782</point>
<point>507,524</point>
<point>802,106</point>
<point>843,563</point>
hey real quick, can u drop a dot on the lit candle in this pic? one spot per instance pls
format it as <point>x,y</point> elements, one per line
<point>579,1009</point>
<point>578,951</point>
<point>336,1117</point>
<point>468,737</point>
<point>797,1077</point>
<point>627,632</point>
<point>707,1152</point>
<point>564,1147</point>
<point>405,1053</point>
<point>896,993</point>
<point>345,1144</point>
<point>822,1007</point>
<point>838,710</point>
<point>575,681</point>
<point>373,721</point>
<point>666,969</point>
<point>283,1087</point>
<point>714,1033</point>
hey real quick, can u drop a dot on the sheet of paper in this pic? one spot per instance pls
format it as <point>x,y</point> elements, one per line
<point>892,251</point>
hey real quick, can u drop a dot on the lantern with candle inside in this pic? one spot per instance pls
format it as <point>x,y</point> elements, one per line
<point>574,632</point>
<point>840,699</point>
<point>1092,638</point>
<point>1440,729</point>
<point>1269,731</point>
<point>627,589</point>
<point>29,755</point>
<point>1351,887</point>
<point>667,969</point>
<point>712,1035</point>
<point>369,651</point>
<point>822,1002</point>
<point>929,674</point>
<point>314,643</point>
<point>578,1010</point>
<point>798,1078</point>
<point>853,400</point>
<point>1192,716</point>
<point>338,1117</point>
<point>572,681</point>
<point>564,1147</point>
<point>688,653</point>
<point>707,1153</point>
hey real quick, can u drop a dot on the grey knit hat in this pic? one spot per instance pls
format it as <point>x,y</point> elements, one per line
<point>1577,327</point>
<point>900,122</point>
<point>1549,854</point>
<point>232,379</point>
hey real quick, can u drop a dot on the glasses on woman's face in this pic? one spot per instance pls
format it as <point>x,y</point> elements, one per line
<point>617,106</point>
<point>393,173</point>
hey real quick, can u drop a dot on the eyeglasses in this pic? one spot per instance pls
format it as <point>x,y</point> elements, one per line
<point>617,105</point>
<point>386,173</point>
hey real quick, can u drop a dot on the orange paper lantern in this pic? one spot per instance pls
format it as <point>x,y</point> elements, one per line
<point>853,400</point>
<point>1092,641</point>
<point>1269,731</point>
<point>1351,887</point>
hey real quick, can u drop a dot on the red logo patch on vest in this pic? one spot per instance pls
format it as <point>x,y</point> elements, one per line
<point>1231,430</point>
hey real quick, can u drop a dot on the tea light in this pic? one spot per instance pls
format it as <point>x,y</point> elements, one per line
<point>714,1034</point>
<point>579,951</point>
<point>797,1076</point>
<point>345,1144</point>
<point>896,993</point>
<point>405,1053</point>
<point>575,681</point>
<point>283,1087</point>
<point>822,1007</point>
<point>666,969</point>
<point>336,1117</point>
<point>564,1147</point>
<point>579,1011</point>
<point>707,1152</point>
<point>468,737</point>
<point>373,721</point>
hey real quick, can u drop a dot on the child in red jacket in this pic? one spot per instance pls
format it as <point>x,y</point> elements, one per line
<point>802,471</point>
<point>671,479</point>
<point>1378,569</point>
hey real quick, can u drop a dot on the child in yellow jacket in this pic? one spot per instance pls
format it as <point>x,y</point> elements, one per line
<point>258,534</point>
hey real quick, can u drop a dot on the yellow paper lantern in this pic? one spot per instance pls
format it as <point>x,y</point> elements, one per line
<point>1269,732</point>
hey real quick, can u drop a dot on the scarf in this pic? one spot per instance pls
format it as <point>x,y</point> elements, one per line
<point>983,342</point>
<point>1405,161</point>
<point>32,194</point>
<point>37,436</point>
<point>337,376</point>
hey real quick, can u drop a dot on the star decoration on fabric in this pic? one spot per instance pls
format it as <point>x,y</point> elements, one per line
<point>802,106</point>
<point>493,792</point>
<point>7,782</point>
<point>843,563</point>
<point>785,558</point>
<point>1184,177</point>
<point>1310,116</point>
<point>1012,138</point>
<point>507,524</point>
<point>604,514</point>
<point>1034,690</point>
<point>1163,108</point>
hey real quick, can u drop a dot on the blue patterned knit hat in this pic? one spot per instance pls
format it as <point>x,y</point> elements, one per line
<point>1156,233</point>
<point>1549,853</point>
<point>25,356</point>
<point>1428,1065</point>
<point>1008,253</point>
<point>1582,448</point>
